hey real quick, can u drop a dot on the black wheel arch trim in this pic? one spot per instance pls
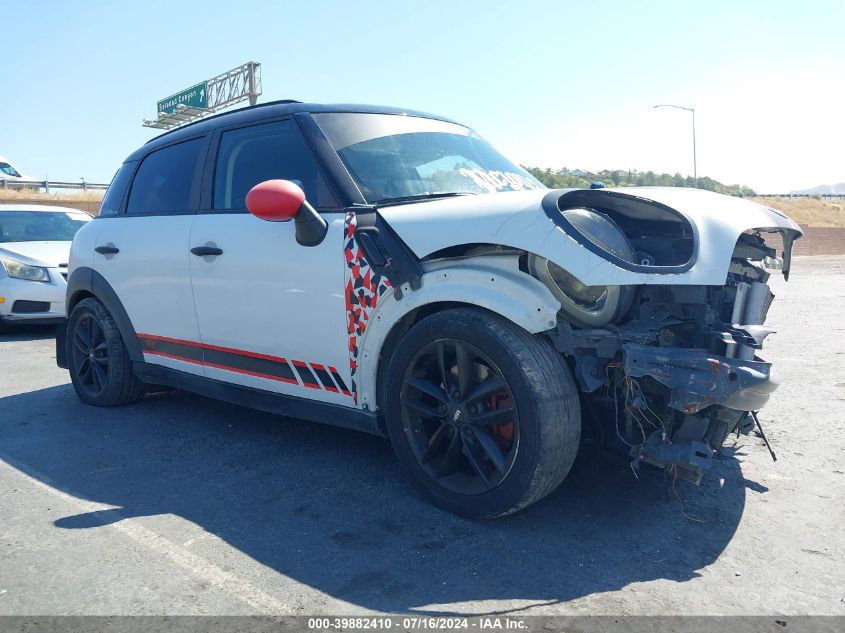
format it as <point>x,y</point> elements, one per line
<point>86,280</point>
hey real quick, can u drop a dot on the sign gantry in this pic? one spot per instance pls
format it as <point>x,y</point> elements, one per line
<point>208,97</point>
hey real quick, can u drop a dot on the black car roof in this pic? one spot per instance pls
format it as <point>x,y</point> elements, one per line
<point>264,111</point>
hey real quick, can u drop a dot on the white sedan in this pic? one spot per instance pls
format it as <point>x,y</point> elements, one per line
<point>8,171</point>
<point>34,247</point>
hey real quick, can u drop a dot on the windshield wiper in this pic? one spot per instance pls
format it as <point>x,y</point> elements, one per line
<point>420,197</point>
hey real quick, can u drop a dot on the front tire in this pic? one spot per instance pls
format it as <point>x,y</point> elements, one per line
<point>482,414</point>
<point>99,365</point>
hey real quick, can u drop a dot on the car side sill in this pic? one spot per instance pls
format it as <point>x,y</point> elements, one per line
<point>280,404</point>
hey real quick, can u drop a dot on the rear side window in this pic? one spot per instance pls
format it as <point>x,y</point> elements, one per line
<point>164,180</point>
<point>248,156</point>
<point>116,192</point>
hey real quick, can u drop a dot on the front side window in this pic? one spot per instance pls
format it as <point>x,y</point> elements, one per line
<point>250,155</point>
<point>165,178</point>
<point>395,157</point>
<point>40,226</point>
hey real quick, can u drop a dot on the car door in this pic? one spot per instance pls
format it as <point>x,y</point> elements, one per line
<point>143,253</point>
<point>271,312</point>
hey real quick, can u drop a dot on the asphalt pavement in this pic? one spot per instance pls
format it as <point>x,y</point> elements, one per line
<point>184,505</point>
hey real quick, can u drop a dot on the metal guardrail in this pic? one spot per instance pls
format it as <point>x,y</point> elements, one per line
<point>823,196</point>
<point>95,186</point>
<point>55,184</point>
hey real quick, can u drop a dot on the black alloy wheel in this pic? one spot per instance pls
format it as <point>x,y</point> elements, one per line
<point>483,415</point>
<point>459,417</point>
<point>90,354</point>
<point>99,364</point>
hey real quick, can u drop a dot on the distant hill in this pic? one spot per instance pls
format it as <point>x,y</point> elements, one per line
<point>821,190</point>
<point>808,211</point>
<point>564,178</point>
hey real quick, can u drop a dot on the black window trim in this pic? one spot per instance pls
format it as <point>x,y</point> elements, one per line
<point>206,203</point>
<point>327,156</point>
<point>196,181</point>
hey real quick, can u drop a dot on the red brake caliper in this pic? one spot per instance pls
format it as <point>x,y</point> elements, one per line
<point>503,433</point>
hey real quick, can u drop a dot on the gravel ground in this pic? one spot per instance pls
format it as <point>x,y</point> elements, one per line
<point>183,505</point>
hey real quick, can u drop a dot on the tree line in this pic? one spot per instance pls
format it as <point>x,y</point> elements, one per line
<point>566,178</point>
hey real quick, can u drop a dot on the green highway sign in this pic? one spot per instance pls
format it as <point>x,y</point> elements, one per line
<point>193,97</point>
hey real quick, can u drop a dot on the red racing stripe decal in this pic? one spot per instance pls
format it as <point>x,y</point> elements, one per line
<point>324,377</point>
<point>295,372</point>
<point>305,374</point>
<point>339,381</point>
<point>216,366</point>
<point>156,352</point>
<point>230,350</point>
<point>252,373</point>
<point>226,358</point>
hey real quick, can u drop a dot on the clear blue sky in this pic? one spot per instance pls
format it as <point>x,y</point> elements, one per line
<point>550,83</point>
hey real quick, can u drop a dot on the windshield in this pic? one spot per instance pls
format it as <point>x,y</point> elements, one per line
<point>40,226</point>
<point>6,168</point>
<point>397,157</point>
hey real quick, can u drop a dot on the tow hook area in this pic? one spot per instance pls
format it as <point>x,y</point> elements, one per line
<point>694,457</point>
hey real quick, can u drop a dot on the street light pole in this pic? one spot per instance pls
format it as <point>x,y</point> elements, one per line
<point>694,159</point>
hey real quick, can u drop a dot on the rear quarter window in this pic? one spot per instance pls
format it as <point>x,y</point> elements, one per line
<point>165,180</point>
<point>116,193</point>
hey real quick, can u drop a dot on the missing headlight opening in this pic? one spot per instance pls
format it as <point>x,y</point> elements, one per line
<point>634,233</point>
<point>668,372</point>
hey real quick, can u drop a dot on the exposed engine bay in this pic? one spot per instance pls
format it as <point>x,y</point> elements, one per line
<point>667,372</point>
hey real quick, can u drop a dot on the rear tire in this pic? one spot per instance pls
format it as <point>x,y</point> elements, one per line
<point>508,440</point>
<point>99,365</point>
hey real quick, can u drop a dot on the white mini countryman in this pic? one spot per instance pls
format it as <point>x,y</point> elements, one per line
<point>390,271</point>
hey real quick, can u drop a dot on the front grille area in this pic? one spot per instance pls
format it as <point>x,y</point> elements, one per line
<point>22,306</point>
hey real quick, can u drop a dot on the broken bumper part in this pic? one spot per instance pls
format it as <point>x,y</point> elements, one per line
<point>697,379</point>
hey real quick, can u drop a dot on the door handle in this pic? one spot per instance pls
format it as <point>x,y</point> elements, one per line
<point>205,251</point>
<point>107,250</point>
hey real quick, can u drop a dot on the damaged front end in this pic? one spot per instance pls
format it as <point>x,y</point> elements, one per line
<point>661,297</point>
<point>673,378</point>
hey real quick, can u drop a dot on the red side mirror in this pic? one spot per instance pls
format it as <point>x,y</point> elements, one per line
<point>275,200</point>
